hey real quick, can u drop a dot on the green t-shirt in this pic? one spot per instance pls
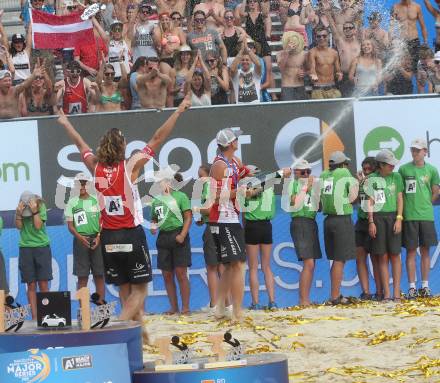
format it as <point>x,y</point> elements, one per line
<point>307,209</point>
<point>417,194</point>
<point>261,207</point>
<point>29,235</point>
<point>384,191</point>
<point>335,188</point>
<point>84,213</point>
<point>204,197</point>
<point>167,210</point>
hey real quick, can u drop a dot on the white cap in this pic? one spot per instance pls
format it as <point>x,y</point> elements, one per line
<point>301,165</point>
<point>337,158</point>
<point>4,73</point>
<point>83,177</point>
<point>387,156</point>
<point>185,48</point>
<point>226,136</point>
<point>25,197</point>
<point>419,143</point>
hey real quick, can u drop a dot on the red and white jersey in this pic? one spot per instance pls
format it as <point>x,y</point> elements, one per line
<point>118,197</point>
<point>226,211</point>
<point>75,98</point>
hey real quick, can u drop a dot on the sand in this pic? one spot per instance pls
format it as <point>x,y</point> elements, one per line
<point>363,342</point>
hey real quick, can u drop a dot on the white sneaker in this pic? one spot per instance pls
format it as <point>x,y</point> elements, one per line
<point>207,309</point>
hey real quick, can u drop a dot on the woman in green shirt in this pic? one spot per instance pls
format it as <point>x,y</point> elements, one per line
<point>35,258</point>
<point>385,189</point>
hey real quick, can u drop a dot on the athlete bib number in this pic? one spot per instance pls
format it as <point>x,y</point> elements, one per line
<point>114,205</point>
<point>410,186</point>
<point>364,202</point>
<point>328,186</point>
<point>80,218</point>
<point>379,196</point>
<point>308,201</point>
<point>159,213</point>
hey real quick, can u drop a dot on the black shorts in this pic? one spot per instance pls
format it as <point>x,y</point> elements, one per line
<point>339,238</point>
<point>35,264</point>
<point>386,241</point>
<point>209,248</point>
<point>126,257</point>
<point>362,236</point>
<point>229,240</point>
<point>86,260</point>
<point>290,93</point>
<point>346,86</point>
<point>413,47</point>
<point>256,232</point>
<point>419,233</point>
<point>304,232</point>
<point>170,253</point>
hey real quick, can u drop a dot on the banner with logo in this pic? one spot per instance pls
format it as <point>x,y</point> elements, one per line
<point>67,365</point>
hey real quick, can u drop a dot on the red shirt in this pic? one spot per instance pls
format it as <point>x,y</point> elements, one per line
<point>118,198</point>
<point>75,98</point>
<point>91,54</point>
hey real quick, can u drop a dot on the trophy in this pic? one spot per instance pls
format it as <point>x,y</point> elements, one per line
<point>230,358</point>
<point>93,318</point>
<point>179,360</point>
<point>11,317</point>
<point>236,352</point>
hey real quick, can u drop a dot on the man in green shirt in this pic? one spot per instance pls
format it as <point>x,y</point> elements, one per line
<point>338,190</point>
<point>82,215</point>
<point>171,213</point>
<point>421,182</point>
<point>303,228</point>
<point>3,280</point>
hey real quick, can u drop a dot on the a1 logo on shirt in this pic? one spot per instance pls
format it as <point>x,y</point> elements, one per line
<point>80,218</point>
<point>410,185</point>
<point>114,205</point>
<point>328,186</point>
<point>379,196</point>
<point>159,212</point>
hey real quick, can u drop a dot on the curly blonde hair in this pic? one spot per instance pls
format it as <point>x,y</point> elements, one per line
<point>111,147</point>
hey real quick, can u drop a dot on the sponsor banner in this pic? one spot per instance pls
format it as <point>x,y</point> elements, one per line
<point>67,365</point>
<point>19,161</point>
<point>393,125</point>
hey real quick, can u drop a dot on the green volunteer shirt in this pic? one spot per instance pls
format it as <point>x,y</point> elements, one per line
<point>418,183</point>
<point>167,210</point>
<point>384,191</point>
<point>29,235</point>
<point>363,202</point>
<point>335,188</point>
<point>261,207</point>
<point>307,210</point>
<point>204,198</point>
<point>84,212</point>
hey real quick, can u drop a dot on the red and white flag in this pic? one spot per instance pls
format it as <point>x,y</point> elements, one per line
<point>55,32</point>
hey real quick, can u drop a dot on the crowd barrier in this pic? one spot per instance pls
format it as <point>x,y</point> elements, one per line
<point>36,155</point>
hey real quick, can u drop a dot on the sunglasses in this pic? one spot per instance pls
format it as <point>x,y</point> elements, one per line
<point>146,11</point>
<point>74,71</point>
<point>348,28</point>
<point>321,36</point>
<point>305,172</point>
<point>153,60</point>
<point>199,20</point>
<point>109,74</point>
<point>211,60</point>
<point>39,78</point>
<point>176,18</point>
<point>229,17</point>
<point>117,29</point>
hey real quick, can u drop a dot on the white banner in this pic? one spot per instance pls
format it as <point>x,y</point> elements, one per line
<point>19,162</point>
<point>393,124</point>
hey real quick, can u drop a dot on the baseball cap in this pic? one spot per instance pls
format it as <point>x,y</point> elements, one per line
<point>386,156</point>
<point>337,158</point>
<point>17,37</point>
<point>144,4</point>
<point>83,177</point>
<point>226,136</point>
<point>419,143</point>
<point>115,23</point>
<point>185,48</point>
<point>301,165</point>
<point>25,197</point>
<point>4,73</point>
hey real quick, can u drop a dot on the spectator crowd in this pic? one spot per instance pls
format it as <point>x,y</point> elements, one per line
<point>150,54</point>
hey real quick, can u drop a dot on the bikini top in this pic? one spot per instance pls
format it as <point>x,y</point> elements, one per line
<point>169,39</point>
<point>291,12</point>
<point>44,108</point>
<point>115,98</point>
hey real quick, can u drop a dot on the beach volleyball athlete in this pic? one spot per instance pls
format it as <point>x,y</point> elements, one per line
<point>124,246</point>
